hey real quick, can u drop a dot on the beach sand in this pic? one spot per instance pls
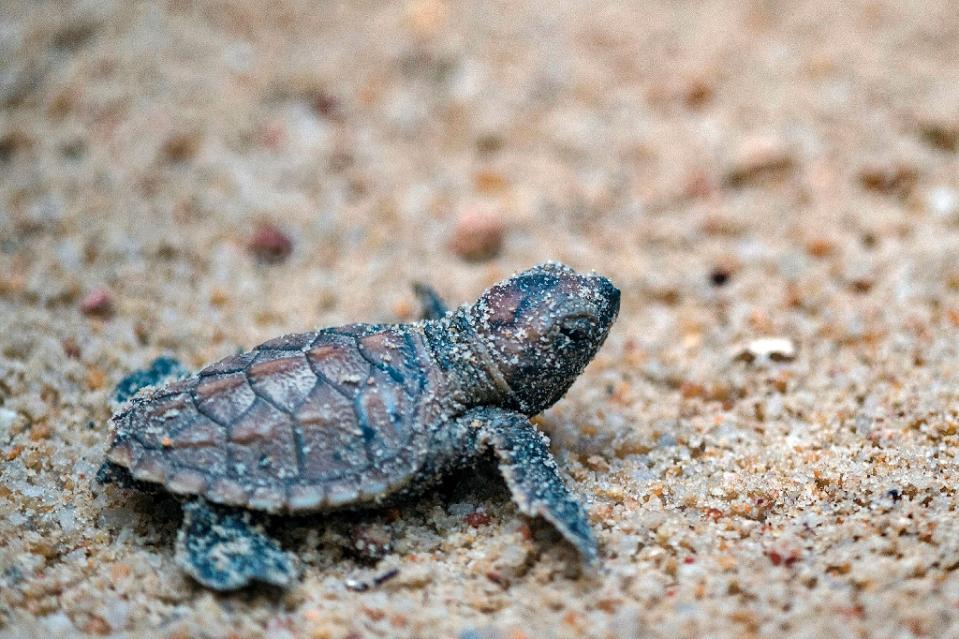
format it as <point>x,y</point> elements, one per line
<point>741,170</point>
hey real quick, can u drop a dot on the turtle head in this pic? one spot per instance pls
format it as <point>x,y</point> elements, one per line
<point>542,327</point>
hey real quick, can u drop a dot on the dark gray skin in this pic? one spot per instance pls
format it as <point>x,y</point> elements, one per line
<point>358,415</point>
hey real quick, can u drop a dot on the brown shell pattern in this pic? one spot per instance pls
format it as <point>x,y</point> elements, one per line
<point>300,423</point>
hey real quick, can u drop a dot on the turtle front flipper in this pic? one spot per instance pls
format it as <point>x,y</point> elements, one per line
<point>433,306</point>
<point>223,549</point>
<point>532,475</point>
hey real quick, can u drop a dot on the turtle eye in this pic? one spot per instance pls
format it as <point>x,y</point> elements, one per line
<point>576,328</point>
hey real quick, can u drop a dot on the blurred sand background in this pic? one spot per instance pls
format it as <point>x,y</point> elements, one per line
<point>740,169</point>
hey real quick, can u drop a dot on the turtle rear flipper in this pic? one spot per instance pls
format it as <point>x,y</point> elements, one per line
<point>223,549</point>
<point>160,371</point>
<point>110,473</point>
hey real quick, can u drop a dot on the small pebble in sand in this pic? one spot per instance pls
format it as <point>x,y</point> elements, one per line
<point>820,247</point>
<point>477,519</point>
<point>760,159</point>
<point>324,104</point>
<point>939,134</point>
<point>478,235</point>
<point>719,276</point>
<point>70,348</point>
<point>97,303</point>
<point>180,147</point>
<point>697,92</point>
<point>13,143</point>
<point>269,244</point>
<point>784,552</point>
<point>489,143</point>
<point>773,349</point>
<point>896,179</point>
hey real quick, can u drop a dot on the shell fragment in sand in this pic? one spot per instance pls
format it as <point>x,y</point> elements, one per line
<point>767,349</point>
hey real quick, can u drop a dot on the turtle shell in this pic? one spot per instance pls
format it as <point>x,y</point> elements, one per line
<point>300,423</point>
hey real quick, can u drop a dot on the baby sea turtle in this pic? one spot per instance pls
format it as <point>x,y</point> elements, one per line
<point>355,415</point>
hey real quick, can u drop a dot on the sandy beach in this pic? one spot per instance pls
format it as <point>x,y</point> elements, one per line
<point>766,444</point>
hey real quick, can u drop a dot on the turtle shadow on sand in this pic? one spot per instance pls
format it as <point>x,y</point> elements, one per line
<point>359,416</point>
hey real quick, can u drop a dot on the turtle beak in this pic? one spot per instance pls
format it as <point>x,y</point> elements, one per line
<point>609,304</point>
